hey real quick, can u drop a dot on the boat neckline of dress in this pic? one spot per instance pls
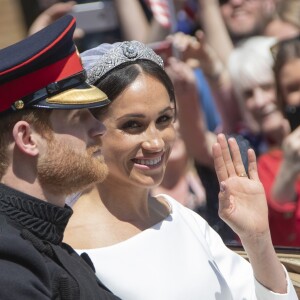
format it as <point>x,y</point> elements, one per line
<point>136,236</point>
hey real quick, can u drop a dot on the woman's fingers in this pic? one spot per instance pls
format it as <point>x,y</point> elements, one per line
<point>226,154</point>
<point>219,164</point>
<point>236,158</point>
<point>228,161</point>
<point>252,165</point>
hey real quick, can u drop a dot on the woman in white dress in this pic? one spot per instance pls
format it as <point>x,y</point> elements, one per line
<point>151,247</point>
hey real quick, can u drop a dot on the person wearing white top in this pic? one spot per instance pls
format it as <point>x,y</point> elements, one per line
<point>151,247</point>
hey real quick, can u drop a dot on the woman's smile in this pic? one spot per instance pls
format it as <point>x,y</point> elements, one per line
<point>149,163</point>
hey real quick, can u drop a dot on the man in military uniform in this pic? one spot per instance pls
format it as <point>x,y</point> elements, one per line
<point>49,148</point>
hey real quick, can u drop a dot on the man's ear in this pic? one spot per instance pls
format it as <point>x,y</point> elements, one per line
<point>25,138</point>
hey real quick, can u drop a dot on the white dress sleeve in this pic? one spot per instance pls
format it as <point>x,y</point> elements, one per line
<point>236,270</point>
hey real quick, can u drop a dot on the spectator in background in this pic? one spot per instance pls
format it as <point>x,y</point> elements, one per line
<point>251,71</point>
<point>244,18</point>
<point>279,168</point>
<point>228,22</point>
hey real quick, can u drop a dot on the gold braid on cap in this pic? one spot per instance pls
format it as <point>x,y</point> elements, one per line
<point>122,53</point>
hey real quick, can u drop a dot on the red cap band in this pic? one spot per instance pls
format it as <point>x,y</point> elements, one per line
<point>39,79</point>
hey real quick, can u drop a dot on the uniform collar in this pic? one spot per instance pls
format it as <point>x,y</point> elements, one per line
<point>43,219</point>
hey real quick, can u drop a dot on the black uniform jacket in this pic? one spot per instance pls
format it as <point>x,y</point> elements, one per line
<point>34,263</point>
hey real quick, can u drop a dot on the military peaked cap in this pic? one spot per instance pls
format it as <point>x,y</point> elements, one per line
<point>45,71</point>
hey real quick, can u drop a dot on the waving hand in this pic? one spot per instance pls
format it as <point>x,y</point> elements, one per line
<point>242,201</point>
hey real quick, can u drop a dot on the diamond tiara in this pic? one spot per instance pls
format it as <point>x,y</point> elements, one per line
<point>122,53</point>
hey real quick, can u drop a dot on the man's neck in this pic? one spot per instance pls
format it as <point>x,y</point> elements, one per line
<point>33,189</point>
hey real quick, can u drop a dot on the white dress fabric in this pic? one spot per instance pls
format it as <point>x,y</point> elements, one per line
<point>180,258</point>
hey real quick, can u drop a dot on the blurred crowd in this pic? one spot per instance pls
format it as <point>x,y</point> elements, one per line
<point>235,67</point>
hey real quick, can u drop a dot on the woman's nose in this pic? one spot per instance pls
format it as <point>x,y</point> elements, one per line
<point>259,98</point>
<point>153,141</point>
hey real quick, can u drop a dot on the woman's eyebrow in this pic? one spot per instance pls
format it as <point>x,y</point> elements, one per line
<point>138,115</point>
<point>131,116</point>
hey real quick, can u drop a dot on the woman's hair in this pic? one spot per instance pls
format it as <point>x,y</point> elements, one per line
<point>251,64</point>
<point>284,52</point>
<point>118,79</point>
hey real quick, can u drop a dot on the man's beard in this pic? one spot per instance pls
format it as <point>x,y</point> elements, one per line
<point>64,171</point>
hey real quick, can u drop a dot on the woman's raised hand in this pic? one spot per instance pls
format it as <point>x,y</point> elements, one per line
<point>242,200</point>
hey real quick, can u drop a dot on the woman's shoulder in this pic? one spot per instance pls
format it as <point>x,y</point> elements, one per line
<point>171,202</point>
<point>179,210</point>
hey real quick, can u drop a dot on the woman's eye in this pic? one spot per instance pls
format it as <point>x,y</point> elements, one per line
<point>267,86</point>
<point>131,125</point>
<point>165,119</point>
<point>293,88</point>
<point>248,94</point>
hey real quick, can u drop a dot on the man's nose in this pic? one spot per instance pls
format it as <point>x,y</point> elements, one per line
<point>97,128</point>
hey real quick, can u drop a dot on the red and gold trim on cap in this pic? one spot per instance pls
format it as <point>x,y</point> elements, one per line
<point>16,89</point>
<point>39,79</point>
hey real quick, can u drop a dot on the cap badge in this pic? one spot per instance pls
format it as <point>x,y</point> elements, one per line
<point>19,104</point>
